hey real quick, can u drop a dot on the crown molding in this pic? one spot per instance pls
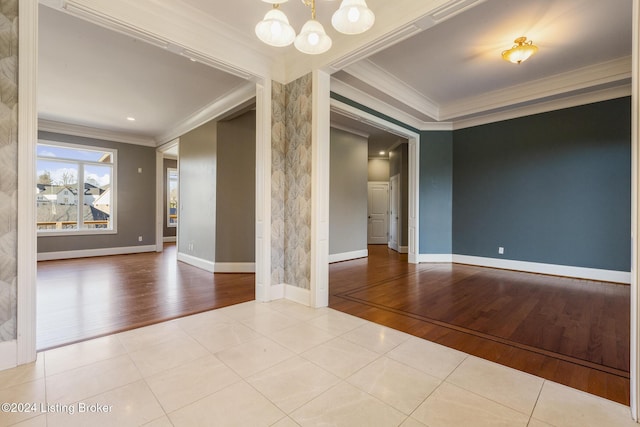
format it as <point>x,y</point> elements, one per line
<point>350,130</point>
<point>215,109</point>
<point>582,78</point>
<point>367,100</point>
<point>544,107</point>
<point>90,132</point>
<point>379,78</point>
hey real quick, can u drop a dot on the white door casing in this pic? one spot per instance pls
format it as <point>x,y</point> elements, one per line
<point>394,211</point>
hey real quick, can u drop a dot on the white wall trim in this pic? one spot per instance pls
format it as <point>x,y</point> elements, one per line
<point>542,268</point>
<point>263,192</point>
<point>160,183</point>
<point>95,133</point>
<point>403,249</point>
<point>197,262</point>
<point>86,253</point>
<point>24,348</point>
<point>346,256</point>
<point>375,76</point>
<point>592,76</point>
<point>435,258</point>
<point>169,239</point>
<point>276,292</point>
<point>543,107</point>
<point>235,267</point>
<point>299,295</point>
<point>8,351</point>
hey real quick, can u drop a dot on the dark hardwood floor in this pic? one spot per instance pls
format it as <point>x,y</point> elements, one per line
<point>86,298</point>
<point>574,332</point>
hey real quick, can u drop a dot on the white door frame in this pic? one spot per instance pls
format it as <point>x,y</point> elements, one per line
<point>394,182</point>
<point>414,167</point>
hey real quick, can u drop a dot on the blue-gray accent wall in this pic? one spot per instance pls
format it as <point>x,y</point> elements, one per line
<point>435,186</point>
<point>550,188</point>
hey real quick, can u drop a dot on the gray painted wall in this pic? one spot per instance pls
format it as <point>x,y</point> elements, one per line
<point>550,188</point>
<point>236,189</point>
<point>347,192</point>
<point>135,199</point>
<point>378,170</point>
<point>166,164</point>
<point>197,163</point>
<point>436,169</point>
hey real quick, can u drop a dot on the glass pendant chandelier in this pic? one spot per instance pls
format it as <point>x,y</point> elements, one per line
<point>352,17</point>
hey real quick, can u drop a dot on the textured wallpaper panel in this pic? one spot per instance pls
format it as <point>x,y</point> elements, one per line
<point>297,206</point>
<point>8,166</point>
<point>278,171</point>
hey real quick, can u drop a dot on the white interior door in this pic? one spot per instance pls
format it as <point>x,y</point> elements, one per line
<point>394,211</point>
<point>378,202</point>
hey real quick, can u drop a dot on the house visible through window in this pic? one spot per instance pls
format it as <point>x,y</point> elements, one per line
<point>75,190</point>
<point>172,197</point>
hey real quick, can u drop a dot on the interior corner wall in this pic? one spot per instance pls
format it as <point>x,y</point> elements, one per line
<point>167,164</point>
<point>236,189</point>
<point>347,192</point>
<point>550,188</point>
<point>298,156</point>
<point>436,187</point>
<point>197,164</point>
<point>135,202</point>
<point>8,168</point>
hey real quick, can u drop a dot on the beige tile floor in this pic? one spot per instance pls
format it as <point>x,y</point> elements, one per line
<point>283,364</point>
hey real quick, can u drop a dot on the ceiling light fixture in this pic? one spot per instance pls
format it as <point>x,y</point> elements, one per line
<point>521,51</point>
<point>381,153</point>
<point>352,17</point>
<point>131,119</point>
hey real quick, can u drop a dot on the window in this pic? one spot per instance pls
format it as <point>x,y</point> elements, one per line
<point>75,190</point>
<point>172,197</point>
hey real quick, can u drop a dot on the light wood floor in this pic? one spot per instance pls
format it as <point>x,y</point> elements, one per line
<point>573,332</point>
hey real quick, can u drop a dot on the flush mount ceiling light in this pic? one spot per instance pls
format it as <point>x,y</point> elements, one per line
<point>352,17</point>
<point>521,51</point>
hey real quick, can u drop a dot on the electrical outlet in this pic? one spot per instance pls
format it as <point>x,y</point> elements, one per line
<point>139,238</point>
<point>501,250</point>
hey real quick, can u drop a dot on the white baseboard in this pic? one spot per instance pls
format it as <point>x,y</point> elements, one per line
<point>169,239</point>
<point>435,258</point>
<point>85,253</point>
<point>552,269</point>
<point>403,249</point>
<point>345,256</point>
<point>8,354</point>
<point>235,267</point>
<point>197,262</point>
<point>292,293</point>
<point>299,295</point>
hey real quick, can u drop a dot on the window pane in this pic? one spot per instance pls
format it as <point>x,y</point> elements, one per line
<point>172,194</point>
<point>57,195</point>
<point>53,151</point>
<point>97,197</point>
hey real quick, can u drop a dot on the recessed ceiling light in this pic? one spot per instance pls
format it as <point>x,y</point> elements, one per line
<point>382,153</point>
<point>192,59</point>
<point>131,119</point>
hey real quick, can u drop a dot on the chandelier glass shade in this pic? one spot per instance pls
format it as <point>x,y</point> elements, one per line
<point>520,52</point>
<point>352,17</point>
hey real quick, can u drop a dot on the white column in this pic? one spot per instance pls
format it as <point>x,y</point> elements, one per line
<point>263,191</point>
<point>320,139</point>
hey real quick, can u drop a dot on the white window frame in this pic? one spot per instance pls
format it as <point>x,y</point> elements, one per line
<point>168,207</point>
<point>81,163</point>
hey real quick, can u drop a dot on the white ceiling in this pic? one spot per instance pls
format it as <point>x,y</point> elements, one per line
<point>447,72</point>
